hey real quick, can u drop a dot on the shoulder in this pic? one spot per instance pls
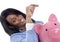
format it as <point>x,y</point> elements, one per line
<point>18,34</point>
<point>17,37</point>
<point>41,22</point>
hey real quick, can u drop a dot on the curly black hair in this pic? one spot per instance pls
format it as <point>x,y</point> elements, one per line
<point>9,29</point>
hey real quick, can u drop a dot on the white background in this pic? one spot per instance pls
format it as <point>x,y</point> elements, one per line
<point>46,7</point>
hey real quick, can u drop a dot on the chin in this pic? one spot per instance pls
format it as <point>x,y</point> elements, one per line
<point>22,24</point>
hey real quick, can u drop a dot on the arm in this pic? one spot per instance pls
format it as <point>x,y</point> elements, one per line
<point>29,12</point>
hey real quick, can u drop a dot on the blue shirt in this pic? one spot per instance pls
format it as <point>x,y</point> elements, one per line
<point>24,36</point>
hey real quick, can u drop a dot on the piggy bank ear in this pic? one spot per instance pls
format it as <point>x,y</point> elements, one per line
<point>37,28</point>
<point>52,18</point>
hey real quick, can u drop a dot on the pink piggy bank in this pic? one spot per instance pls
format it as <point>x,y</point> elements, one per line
<point>49,32</point>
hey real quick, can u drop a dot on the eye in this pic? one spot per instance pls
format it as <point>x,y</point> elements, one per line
<point>46,29</point>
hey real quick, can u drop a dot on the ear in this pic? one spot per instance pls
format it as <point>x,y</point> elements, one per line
<point>37,28</point>
<point>52,18</point>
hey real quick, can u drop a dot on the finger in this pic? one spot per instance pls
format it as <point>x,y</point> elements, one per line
<point>34,5</point>
<point>32,10</point>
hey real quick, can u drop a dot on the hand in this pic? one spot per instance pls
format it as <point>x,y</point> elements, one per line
<point>30,10</point>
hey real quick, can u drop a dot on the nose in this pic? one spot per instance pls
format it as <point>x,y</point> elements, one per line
<point>54,33</point>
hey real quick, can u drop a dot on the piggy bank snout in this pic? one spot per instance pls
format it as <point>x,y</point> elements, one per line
<point>54,33</point>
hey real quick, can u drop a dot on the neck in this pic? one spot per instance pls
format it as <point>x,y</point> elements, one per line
<point>22,27</point>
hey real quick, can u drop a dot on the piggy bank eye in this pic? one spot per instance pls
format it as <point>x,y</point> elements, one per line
<point>55,24</point>
<point>46,29</point>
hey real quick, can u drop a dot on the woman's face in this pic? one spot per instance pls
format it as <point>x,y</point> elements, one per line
<point>16,20</point>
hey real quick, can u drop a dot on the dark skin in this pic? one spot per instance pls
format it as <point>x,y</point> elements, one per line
<point>19,20</point>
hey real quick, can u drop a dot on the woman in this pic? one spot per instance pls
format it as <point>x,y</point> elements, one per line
<point>14,23</point>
